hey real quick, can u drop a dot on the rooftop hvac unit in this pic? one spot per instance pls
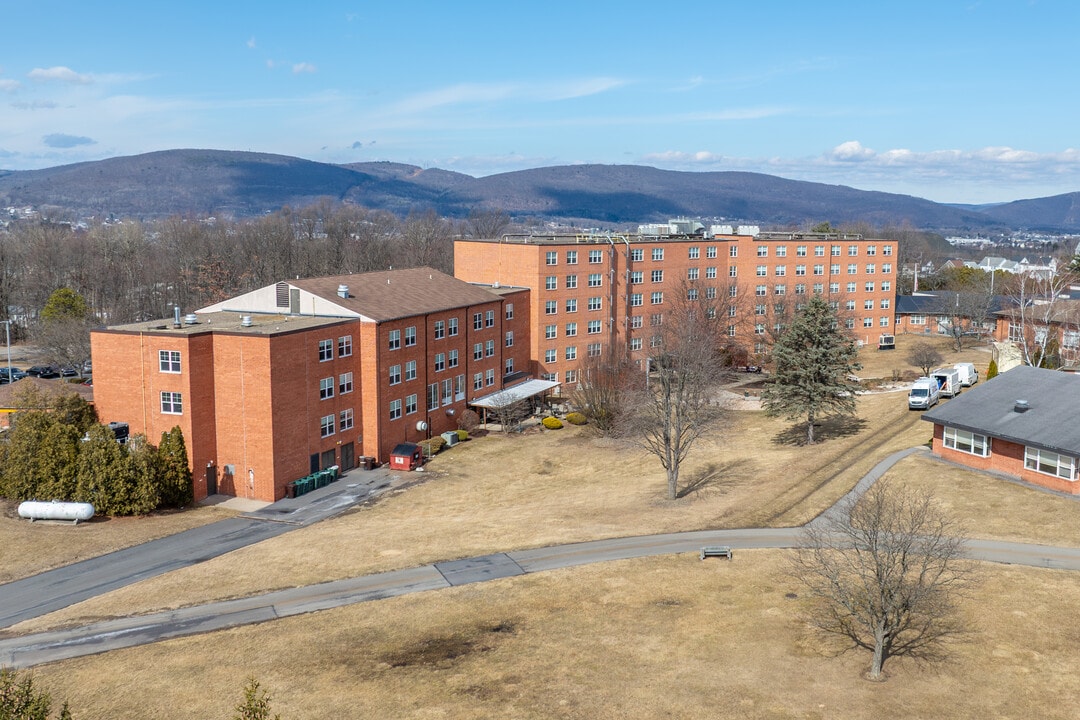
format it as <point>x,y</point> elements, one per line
<point>191,318</point>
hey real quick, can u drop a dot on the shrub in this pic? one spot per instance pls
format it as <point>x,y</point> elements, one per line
<point>462,435</point>
<point>468,420</point>
<point>431,446</point>
<point>992,371</point>
<point>575,418</point>
<point>552,423</point>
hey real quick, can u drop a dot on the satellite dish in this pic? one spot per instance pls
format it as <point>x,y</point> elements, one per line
<point>421,426</point>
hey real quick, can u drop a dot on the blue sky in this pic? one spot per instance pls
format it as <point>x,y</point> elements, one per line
<point>971,101</point>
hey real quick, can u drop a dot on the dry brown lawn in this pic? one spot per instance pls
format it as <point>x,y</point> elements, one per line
<point>668,637</point>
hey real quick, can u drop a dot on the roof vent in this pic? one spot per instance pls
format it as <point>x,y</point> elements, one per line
<point>495,284</point>
<point>1021,406</point>
<point>343,291</point>
<point>245,321</point>
<point>176,316</point>
<point>191,318</point>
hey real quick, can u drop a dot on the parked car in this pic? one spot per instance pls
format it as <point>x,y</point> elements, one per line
<point>969,375</point>
<point>43,371</point>
<point>16,374</point>
<point>923,395</point>
<point>68,371</point>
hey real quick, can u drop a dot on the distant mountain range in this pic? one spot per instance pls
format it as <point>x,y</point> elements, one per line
<point>244,184</point>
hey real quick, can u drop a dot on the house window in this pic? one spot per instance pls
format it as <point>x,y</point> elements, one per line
<point>884,321</point>
<point>326,425</point>
<point>656,298</point>
<point>509,366</point>
<point>510,339</point>
<point>489,377</point>
<point>596,256</point>
<point>169,361</point>
<point>551,282</point>
<point>433,396</point>
<point>452,323</point>
<point>452,360</point>
<point>410,336</point>
<point>509,311</point>
<point>478,321</point>
<point>692,294</point>
<point>800,288</point>
<point>834,250</point>
<point>657,276</point>
<point>571,282</point>
<point>780,270</point>
<point>410,406</point>
<point>851,287</point>
<point>447,391</point>
<point>595,303</point>
<point>658,254</point>
<point>636,277</point>
<point>819,269</point>
<point>635,321</point>
<point>552,257</point>
<point>595,327</point>
<point>966,441</point>
<point>834,269</point>
<point>656,341</point>
<point>886,268</point>
<point>594,349</point>
<point>760,309</point>
<point>440,329</point>
<point>884,303</point>
<point>762,270</point>
<point>478,381</point>
<point>868,304</point>
<point>870,269</point>
<point>710,251</point>
<point>868,322</point>
<point>571,329</point>
<point>656,319</point>
<point>853,268</point>
<point>571,257</point>
<point>393,337</point>
<point>596,279</point>
<point>344,346</point>
<point>800,269</point>
<point>172,403</point>
<point>800,251</point>
<point>571,376</point>
<point>489,318</point>
<point>819,251</point>
<point>489,348</point>
<point>635,344</point>
<point>395,374</point>
<point>326,388</point>
<point>395,409</point>
<point>834,288</point>
<point>551,307</point>
<point>636,299</point>
<point>459,387</point>
<point>871,249</point>
<point>733,290</point>
<point>763,251</point>
<point>326,349</point>
<point>571,305</point>
<point>549,356</point>
<point>637,254</point>
<point>345,418</point>
<point>734,251</point>
<point>869,287</point>
<point>852,250</point>
<point>1050,463</point>
<point>571,352</point>
<point>410,370</point>
<point>761,290</point>
<point>781,251</point>
<point>886,250</point>
<point>440,362</point>
<point>695,253</point>
<point>345,383</point>
<point>551,332</point>
<point>478,351</point>
<point>710,273</point>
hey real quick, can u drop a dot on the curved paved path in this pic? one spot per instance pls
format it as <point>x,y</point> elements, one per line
<point>28,650</point>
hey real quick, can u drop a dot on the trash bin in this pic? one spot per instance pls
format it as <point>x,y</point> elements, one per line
<point>290,490</point>
<point>367,462</point>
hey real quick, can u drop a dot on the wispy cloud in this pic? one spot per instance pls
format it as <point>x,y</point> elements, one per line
<point>303,68</point>
<point>59,74</point>
<point>481,93</point>
<point>60,140</point>
<point>251,42</point>
<point>9,85</point>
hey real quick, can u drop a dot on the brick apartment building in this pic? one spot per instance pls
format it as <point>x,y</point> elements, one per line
<point>592,294</point>
<point>297,376</point>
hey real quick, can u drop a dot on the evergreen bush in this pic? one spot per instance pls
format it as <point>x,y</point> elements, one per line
<point>575,418</point>
<point>552,423</point>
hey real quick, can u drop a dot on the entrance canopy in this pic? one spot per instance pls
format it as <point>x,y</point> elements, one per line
<point>511,395</point>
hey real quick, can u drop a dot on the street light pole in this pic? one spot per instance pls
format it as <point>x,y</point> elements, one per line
<point>7,336</point>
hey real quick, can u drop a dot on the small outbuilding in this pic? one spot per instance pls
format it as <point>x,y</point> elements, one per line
<point>406,456</point>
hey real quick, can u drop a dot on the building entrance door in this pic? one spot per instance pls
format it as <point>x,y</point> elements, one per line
<point>348,458</point>
<point>211,480</point>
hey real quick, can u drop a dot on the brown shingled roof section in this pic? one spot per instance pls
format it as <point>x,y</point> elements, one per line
<point>48,386</point>
<point>391,294</point>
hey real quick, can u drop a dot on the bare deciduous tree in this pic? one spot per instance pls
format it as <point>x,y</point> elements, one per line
<point>962,315</point>
<point>883,572</point>
<point>924,356</point>
<point>606,384</point>
<point>1036,315</point>
<point>484,224</point>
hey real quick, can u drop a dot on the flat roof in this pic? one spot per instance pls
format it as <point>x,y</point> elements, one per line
<point>516,393</point>
<point>228,321</point>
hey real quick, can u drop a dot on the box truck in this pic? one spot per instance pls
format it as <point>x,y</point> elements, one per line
<point>968,374</point>
<point>948,381</point>
<point>923,395</point>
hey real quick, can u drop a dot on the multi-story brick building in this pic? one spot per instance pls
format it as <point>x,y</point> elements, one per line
<point>592,294</point>
<point>301,375</point>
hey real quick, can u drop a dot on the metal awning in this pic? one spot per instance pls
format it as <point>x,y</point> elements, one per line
<point>511,395</point>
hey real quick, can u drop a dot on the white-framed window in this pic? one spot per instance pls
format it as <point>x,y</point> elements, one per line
<point>551,332</point>
<point>478,321</point>
<point>710,251</point>
<point>761,290</point>
<point>509,311</point>
<point>868,304</point>
<point>489,377</point>
<point>459,387</point>
<point>447,391</point>
<point>595,327</point>
<point>834,250</point>
<point>921,320</point>
<point>440,362</point>
<point>508,366</point>
<point>326,348</point>
<point>884,303</point>
<point>489,348</point>
<point>1050,463</point>
<point>636,321</point>
<point>571,257</point>
<point>870,268</point>
<point>345,418</point>
<point>637,277</point>
<point>440,329</point>
<point>658,254</point>
<point>595,303</point>
<point>966,441</point>
<point>819,251</point>
<point>510,339</point>
<point>763,251</point>
<point>886,250</point>
<point>834,288</point>
<point>395,374</point>
<point>552,257</point>
<point>550,355</point>
<point>800,270</point>
<point>410,370</point>
<point>656,298</point>
<point>852,250</point>
<point>886,268</point>
<point>571,305</point>
<point>594,349</point>
<point>762,270</point>
<point>551,307</point>
<point>326,425</point>
<point>884,321</point>
<point>871,249</point>
<point>172,403</point>
<point>656,341</point>
<point>169,361</point>
<point>410,336</point>
<point>819,269</point>
<point>868,322</point>
<point>800,251</point>
<point>781,251</point>
<point>433,396</point>
<point>571,282</point>
<point>819,288</point>
<point>733,290</point>
<point>393,341</point>
<point>851,287</point>
<point>760,309</point>
<point>551,282</point>
<point>635,344</point>
<point>410,405</point>
<point>596,256</point>
<point>779,289</point>
<point>395,409</point>
<point>478,381</point>
<point>326,388</point>
<point>571,352</point>
<point>570,376</point>
<point>452,326</point>
<point>489,318</point>
<point>869,287</point>
<point>345,383</point>
<point>596,279</point>
<point>834,269</point>
<point>637,254</point>
<point>780,270</point>
<point>852,269</point>
<point>571,329</point>
<point>636,299</point>
<point>692,294</point>
<point>657,276</point>
<point>695,252</point>
<point>800,288</point>
<point>733,251</point>
<point>849,305</point>
<point>344,346</point>
<point>656,319</point>
<point>478,351</point>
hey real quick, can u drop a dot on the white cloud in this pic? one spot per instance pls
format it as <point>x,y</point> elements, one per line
<point>8,85</point>
<point>303,67</point>
<point>850,151</point>
<point>251,42</point>
<point>479,93</point>
<point>59,74</point>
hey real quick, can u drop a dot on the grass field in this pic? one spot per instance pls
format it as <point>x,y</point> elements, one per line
<point>657,637</point>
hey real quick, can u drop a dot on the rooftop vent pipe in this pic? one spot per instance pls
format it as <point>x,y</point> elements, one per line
<point>176,316</point>
<point>1021,406</point>
<point>343,291</point>
<point>245,321</point>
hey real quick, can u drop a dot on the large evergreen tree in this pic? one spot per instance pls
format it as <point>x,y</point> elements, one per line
<point>176,484</point>
<point>814,358</point>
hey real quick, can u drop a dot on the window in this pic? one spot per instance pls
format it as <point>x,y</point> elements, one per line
<point>656,341</point>
<point>733,290</point>
<point>635,344</point>
<point>834,269</point>
<point>571,257</point>
<point>886,250</point>
<point>345,382</point>
<point>551,307</point>
<point>657,276</point>
<point>800,288</point>
<point>395,409</point>
<point>1049,463</point>
<point>172,403</point>
<point>819,288</point>
<point>549,356</point>
<point>508,366</point>
<point>326,348</point>
<point>594,349</point>
<point>447,391</point>
<point>395,374</point>
<point>552,257</point>
<point>779,289</point>
<point>509,311</point>
<point>781,251</point>
<point>871,249</point>
<point>759,329</point>
<point>571,352</point>
<point>762,270</point>
<point>656,298</point>
<point>760,309</point>
<point>851,287</point>
<point>968,442</point>
<point>410,370</point>
<point>551,332</point>
<point>410,336</point>
<point>886,268</point>
<point>440,329</point>
<point>636,299</point>
<point>635,321</point>
<point>852,269</point>
<point>834,250</point>
<point>819,251</point>
<point>884,322</point>
<point>326,425</point>
<point>637,277</point>
<point>710,251</point>
<point>477,381</point>
<point>733,251</point>
<point>849,305</point>
<point>870,268</point>
<point>410,406</point>
<point>637,254</point>
<point>595,327</point>
<point>656,319</point>
<point>452,322</point>
<point>459,387</point>
<point>489,348</point>
<point>440,362</point>
<point>780,270</point>
<point>761,291</point>
<point>551,282</point>
<point>800,269</point>
<point>571,305</point>
<point>595,303</point>
<point>571,376</point>
<point>510,339</point>
<point>695,253</point>
<point>658,254</point>
<point>921,320</point>
<point>345,418</point>
<point>763,251</point>
<point>344,346</point>
<point>834,288</point>
<point>596,256</point>
<point>868,304</point>
<point>489,318</point>
<point>710,273</point>
<point>869,287</point>
<point>732,310</point>
<point>849,323</point>
<point>571,282</point>
<point>489,377</point>
<point>571,329</point>
<point>478,321</point>
<point>800,251</point>
<point>596,279</point>
<point>853,250</point>
<point>691,294</point>
<point>433,396</point>
<point>478,351</point>
<point>169,361</point>
<point>731,330</point>
<point>819,269</point>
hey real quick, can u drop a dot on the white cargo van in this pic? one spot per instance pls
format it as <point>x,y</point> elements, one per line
<point>948,381</point>
<point>968,374</point>
<point>923,395</point>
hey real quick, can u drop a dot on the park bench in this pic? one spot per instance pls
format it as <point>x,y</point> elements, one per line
<point>716,551</point>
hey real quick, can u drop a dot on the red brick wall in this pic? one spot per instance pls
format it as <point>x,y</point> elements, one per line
<point>1005,457</point>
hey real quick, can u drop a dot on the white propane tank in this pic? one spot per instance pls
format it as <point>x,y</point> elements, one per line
<point>55,510</point>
